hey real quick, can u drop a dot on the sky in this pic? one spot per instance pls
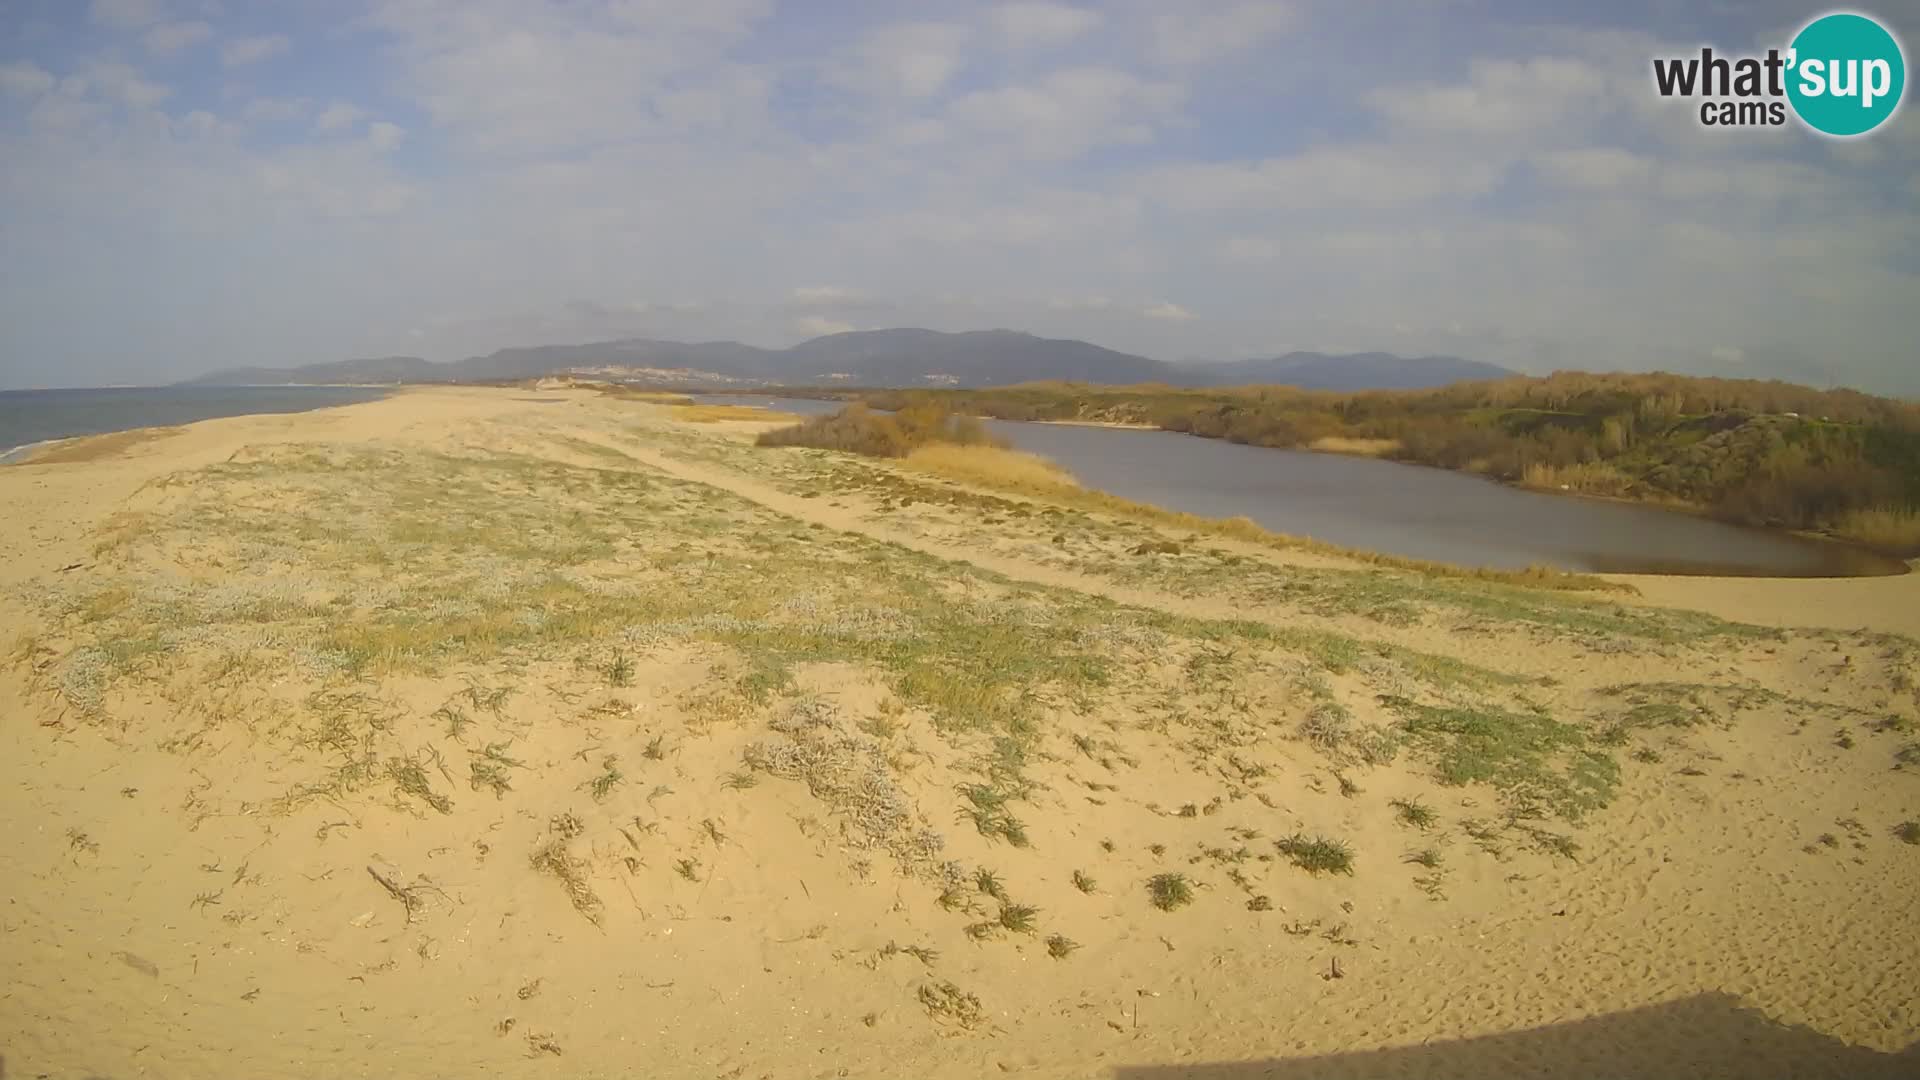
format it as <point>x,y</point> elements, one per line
<point>188,185</point>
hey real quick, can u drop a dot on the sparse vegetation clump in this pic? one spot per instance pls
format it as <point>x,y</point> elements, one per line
<point>1317,854</point>
<point>410,777</point>
<point>620,670</point>
<point>989,814</point>
<point>1907,832</point>
<point>607,779</point>
<point>989,883</point>
<point>1019,918</point>
<point>1170,892</point>
<point>552,857</point>
<point>1529,757</point>
<point>1414,813</point>
<point>1429,858</point>
<point>849,771</point>
<point>488,769</point>
<point>945,1001</point>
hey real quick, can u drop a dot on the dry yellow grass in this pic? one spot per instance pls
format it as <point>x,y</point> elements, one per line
<point>993,466</point>
<point>1881,527</point>
<point>1341,444</point>
<point>709,414</point>
<point>1596,478</point>
<point>1032,475</point>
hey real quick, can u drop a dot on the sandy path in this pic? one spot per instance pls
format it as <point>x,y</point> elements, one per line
<point>1887,604</point>
<point>1568,661</point>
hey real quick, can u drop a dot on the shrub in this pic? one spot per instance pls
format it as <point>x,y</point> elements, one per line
<point>1170,891</point>
<point>858,429</point>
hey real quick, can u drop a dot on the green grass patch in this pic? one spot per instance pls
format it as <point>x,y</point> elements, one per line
<point>1528,757</point>
<point>1317,854</point>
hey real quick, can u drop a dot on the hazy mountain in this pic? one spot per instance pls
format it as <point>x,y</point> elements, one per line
<point>898,357</point>
<point>384,369</point>
<point>974,358</point>
<point>1351,371</point>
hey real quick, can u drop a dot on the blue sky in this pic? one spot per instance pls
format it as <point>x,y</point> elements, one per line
<point>192,184</point>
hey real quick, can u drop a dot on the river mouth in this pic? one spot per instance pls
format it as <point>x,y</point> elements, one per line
<point>1412,511</point>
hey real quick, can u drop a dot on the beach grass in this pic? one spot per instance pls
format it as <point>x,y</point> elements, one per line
<point>710,414</point>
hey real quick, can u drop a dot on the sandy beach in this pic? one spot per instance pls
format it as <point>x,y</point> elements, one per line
<point>538,733</point>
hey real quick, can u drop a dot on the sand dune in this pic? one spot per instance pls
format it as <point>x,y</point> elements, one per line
<point>467,733</point>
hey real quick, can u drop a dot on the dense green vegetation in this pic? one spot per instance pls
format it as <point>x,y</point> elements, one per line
<point>1761,453</point>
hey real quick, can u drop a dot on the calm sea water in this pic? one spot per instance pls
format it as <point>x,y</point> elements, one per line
<point>1412,510</point>
<point>35,416</point>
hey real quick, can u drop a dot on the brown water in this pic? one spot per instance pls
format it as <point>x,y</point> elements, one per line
<point>1412,510</point>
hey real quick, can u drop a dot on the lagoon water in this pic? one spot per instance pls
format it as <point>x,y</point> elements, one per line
<point>1411,510</point>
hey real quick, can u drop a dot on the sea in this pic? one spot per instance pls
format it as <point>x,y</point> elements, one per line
<point>30,418</point>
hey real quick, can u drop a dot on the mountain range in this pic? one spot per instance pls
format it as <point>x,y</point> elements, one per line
<point>880,358</point>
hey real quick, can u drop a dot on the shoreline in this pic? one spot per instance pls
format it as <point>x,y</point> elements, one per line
<point>24,453</point>
<point>33,451</point>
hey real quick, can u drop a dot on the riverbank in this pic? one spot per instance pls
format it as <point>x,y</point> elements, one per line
<point>676,754</point>
<point>1828,462</point>
<point>1349,494</point>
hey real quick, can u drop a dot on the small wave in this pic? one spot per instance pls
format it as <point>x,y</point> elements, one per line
<point>24,451</point>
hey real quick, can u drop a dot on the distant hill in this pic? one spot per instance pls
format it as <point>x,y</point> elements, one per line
<point>902,357</point>
<point>1350,371</point>
<point>383,369</point>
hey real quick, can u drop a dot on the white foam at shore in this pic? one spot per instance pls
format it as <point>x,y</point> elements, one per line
<point>20,453</point>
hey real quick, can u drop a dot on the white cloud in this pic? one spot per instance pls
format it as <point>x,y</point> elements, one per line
<point>507,75</point>
<point>819,326</point>
<point>272,110</point>
<point>384,136</point>
<point>1167,312</point>
<point>1028,26</point>
<point>1374,177</point>
<point>1197,35</point>
<point>124,14</point>
<point>1504,97</point>
<point>916,60</point>
<point>1071,111</point>
<point>252,50</point>
<point>168,38</point>
<point>339,116</point>
<point>25,79</point>
<point>115,82</point>
<point>1601,168</point>
<point>201,124</point>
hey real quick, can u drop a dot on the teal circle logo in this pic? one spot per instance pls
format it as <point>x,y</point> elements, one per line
<point>1845,74</point>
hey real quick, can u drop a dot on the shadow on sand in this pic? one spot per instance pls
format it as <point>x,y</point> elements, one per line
<point>1710,1035</point>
